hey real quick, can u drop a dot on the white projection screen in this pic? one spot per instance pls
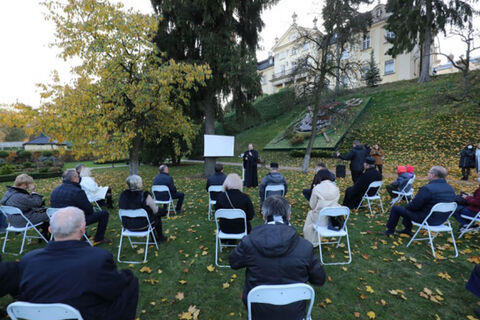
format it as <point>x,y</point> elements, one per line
<point>218,146</point>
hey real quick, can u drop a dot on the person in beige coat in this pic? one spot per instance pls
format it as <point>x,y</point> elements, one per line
<point>324,194</point>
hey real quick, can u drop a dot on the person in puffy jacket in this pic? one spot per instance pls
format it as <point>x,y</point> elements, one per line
<point>272,178</point>
<point>467,161</point>
<point>400,183</point>
<point>274,253</point>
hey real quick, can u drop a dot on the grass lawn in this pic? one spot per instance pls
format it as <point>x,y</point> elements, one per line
<point>381,266</point>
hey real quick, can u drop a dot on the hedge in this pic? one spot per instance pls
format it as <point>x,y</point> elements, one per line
<point>314,154</point>
<point>39,175</point>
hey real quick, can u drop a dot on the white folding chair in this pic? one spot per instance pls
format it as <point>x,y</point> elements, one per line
<point>211,202</point>
<point>281,294</point>
<point>325,232</point>
<point>169,202</point>
<point>137,213</point>
<point>42,311</point>
<point>376,196</point>
<point>473,219</point>
<point>228,214</point>
<point>274,188</point>
<point>406,192</point>
<point>445,208</point>
<point>11,211</point>
<point>51,211</point>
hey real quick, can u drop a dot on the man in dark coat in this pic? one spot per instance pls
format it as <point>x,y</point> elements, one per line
<point>250,160</point>
<point>216,179</point>
<point>70,271</point>
<point>467,161</point>
<point>357,157</point>
<point>437,190</point>
<point>354,194</point>
<point>163,178</point>
<point>273,253</point>
<point>272,178</point>
<point>70,194</point>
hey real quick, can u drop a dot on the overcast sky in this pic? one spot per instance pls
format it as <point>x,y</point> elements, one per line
<point>26,58</point>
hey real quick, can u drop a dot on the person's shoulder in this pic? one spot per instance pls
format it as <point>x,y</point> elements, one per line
<point>32,255</point>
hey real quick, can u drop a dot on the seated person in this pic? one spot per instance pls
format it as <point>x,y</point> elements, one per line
<point>411,171</point>
<point>93,190</point>
<point>471,208</point>
<point>71,271</point>
<point>70,194</point>
<point>354,194</point>
<point>79,169</point>
<point>437,190</point>
<point>272,178</point>
<point>473,285</point>
<point>398,185</point>
<point>135,198</point>
<point>273,253</point>
<point>163,178</point>
<point>324,194</point>
<point>232,197</point>
<point>307,193</point>
<point>23,196</point>
<point>9,281</point>
<point>216,179</point>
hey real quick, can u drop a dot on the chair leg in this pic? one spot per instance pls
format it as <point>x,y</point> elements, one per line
<point>381,204</point>
<point>320,249</point>
<point>453,240</point>
<point>360,203</point>
<point>120,247</point>
<point>349,251</point>
<point>209,210</point>
<point>146,248</point>
<point>411,240</point>
<point>5,241</point>
<point>154,238</point>
<point>369,206</point>
<point>431,244</point>
<point>216,250</point>
<point>23,241</point>
<point>88,240</point>
<point>131,243</point>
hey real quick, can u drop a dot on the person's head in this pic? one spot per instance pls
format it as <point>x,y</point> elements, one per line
<point>79,168</point>
<point>23,181</point>
<point>437,172</point>
<point>67,224</point>
<point>320,166</point>
<point>218,168</point>
<point>250,146</point>
<point>369,162</point>
<point>401,169</point>
<point>134,182</point>
<point>274,167</point>
<point>322,175</point>
<point>410,169</point>
<point>356,142</point>
<point>276,206</point>
<point>478,146</point>
<point>86,172</point>
<point>70,175</point>
<point>163,168</point>
<point>375,146</point>
<point>469,146</point>
<point>232,182</point>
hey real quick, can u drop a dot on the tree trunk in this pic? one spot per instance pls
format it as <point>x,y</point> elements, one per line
<point>134,154</point>
<point>209,166</point>
<point>316,109</point>
<point>426,46</point>
<point>337,70</point>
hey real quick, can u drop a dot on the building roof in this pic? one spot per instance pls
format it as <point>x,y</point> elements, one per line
<point>43,140</point>
<point>267,63</point>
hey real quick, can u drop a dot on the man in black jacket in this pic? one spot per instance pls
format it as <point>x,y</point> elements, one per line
<point>437,190</point>
<point>70,271</point>
<point>354,194</point>
<point>164,179</point>
<point>70,194</point>
<point>273,253</point>
<point>217,178</point>
<point>357,157</point>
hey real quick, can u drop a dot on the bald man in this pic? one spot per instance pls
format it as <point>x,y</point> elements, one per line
<point>70,271</point>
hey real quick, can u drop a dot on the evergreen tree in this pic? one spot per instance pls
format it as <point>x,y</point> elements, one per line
<point>419,21</point>
<point>372,76</point>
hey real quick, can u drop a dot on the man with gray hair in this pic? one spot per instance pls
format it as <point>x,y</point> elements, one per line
<point>273,253</point>
<point>70,271</point>
<point>163,178</point>
<point>70,194</point>
<point>437,190</point>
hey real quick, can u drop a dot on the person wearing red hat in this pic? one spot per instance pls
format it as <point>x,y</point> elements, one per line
<point>410,171</point>
<point>399,184</point>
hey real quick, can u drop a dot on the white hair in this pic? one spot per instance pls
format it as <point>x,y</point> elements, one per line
<point>232,182</point>
<point>134,182</point>
<point>86,172</point>
<point>66,221</point>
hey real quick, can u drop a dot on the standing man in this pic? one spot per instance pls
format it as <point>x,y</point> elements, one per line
<point>357,157</point>
<point>250,160</point>
<point>354,194</point>
<point>163,178</point>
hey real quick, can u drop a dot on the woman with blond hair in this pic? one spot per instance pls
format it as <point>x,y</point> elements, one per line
<point>93,190</point>
<point>22,195</point>
<point>232,197</point>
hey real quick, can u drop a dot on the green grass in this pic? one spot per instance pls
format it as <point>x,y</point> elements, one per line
<point>91,164</point>
<point>382,263</point>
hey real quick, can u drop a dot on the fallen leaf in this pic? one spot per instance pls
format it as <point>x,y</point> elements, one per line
<point>225,285</point>
<point>369,289</point>
<point>179,296</point>
<point>145,269</point>
<point>371,315</point>
<point>211,268</point>
<point>182,281</point>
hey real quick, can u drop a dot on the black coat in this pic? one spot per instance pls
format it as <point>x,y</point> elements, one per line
<point>467,158</point>
<point>216,179</point>
<point>356,156</point>
<point>9,278</point>
<point>354,194</point>
<point>239,200</point>
<point>275,254</point>
<point>165,180</point>
<point>250,166</point>
<point>85,277</point>
<point>70,194</point>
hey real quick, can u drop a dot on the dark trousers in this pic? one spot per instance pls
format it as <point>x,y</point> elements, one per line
<point>408,217</point>
<point>307,193</point>
<point>356,175</point>
<point>125,306</point>
<point>9,278</point>
<point>379,167</point>
<point>466,212</point>
<point>179,196</point>
<point>102,218</point>
<point>465,173</point>
<point>390,188</point>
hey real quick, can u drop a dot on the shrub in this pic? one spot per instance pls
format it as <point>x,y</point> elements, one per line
<point>314,154</point>
<point>43,170</point>
<point>24,154</point>
<point>47,153</point>
<point>297,138</point>
<point>6,169</point>
<point>28,164</point>
<point>4,154</point>
<point>48,163</point>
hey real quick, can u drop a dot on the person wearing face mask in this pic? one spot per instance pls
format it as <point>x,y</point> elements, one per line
<point>471,208</point>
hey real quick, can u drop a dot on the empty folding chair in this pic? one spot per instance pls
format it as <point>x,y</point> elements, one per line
<point>469,228</point>
<point>281,294</point>
<point>274,189</point>
<point>11,211</point>
<point>166,201</point>
<point>376,196</point>
<point>228,214</point>
<point>42,311</point>
<point>212,190</point>
<point>446,210</point>
<point>406,192</point>
<point>325,232</point>
<point>51,211</point>
<point>137,213</point>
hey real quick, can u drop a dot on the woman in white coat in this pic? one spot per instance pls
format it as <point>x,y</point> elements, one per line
<point>324,194</point>
<point>93,190</point>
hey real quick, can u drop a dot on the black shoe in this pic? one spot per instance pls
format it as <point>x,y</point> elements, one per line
<point>104,240</point>
<point>162,239</point>
<point>387,233</point>
<point>407,232</point>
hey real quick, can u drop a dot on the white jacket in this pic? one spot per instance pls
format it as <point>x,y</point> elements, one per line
<point>92,189</point>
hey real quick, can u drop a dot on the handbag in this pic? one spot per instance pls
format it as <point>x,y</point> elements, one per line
<point>336,223</point>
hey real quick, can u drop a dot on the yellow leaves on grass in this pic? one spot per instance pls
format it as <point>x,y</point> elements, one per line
<point>211,268</point>
<point>179,296</point>
<point>145,269</point>
<point>182,281</point>
<point>192,313</point>
<point>371,315</point>
<point>474,259</point>
<point>428,294</point>
<point>369,289</point>
<point>398,293</point>
<point>444,275</point>
<point>225,285</point>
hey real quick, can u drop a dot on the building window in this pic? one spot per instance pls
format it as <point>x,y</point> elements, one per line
<point>389,34</point>
<point>282,55</point>
<point>366,41</point>
<point>389,66</point>
<point>294,51</point>
<point>282,70</point>
<point>364,71</point>
<point>345,54</point>
<point>264,80</point>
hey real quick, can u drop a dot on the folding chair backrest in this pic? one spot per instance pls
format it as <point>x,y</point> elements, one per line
<point>374,185</point>
<point>51,211</point>
<point>215,189</point>
<point>11,211</point>
<point>408,186</point>
<point>135,213</point>
<point>275,189</point>
<point>448,208</point>
<point>161,189</point>
<point>230,214</point>
<point>281,295</point>
<point>42,311</point>
<point>334,212</point>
